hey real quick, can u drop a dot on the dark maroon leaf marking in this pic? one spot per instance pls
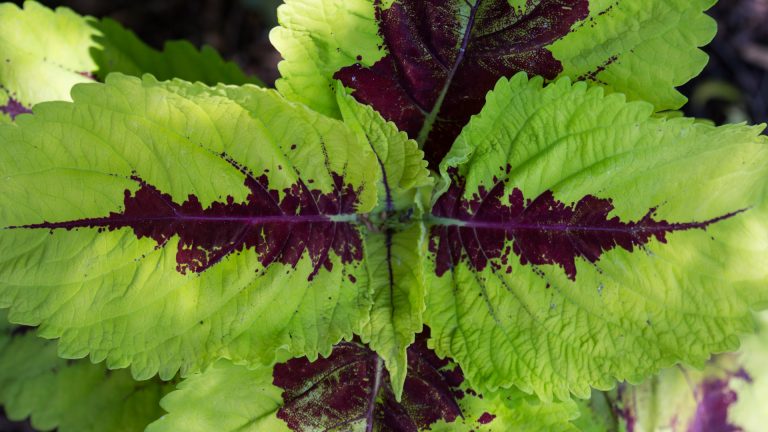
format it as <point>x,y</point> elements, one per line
<point>486,418</point>
<point>277,229</point>
<point>444,56</point>
<point>351,387</point>
<point>484,230</point>
<point>14,108</point>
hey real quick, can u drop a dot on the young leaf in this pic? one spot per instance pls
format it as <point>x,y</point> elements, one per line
<point>350,391</point>
<point>577,239</point>
<point>316,39</point>
<point>442,57</point>
<point>121,51</point>
<point>43,53</point>
<point>70,396</point>
<point>395,244</point>
<point>167,224</point>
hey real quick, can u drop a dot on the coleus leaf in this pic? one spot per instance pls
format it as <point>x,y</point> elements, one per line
<point>727,395</point>
<point>70,396</point>
<point>577,239</point>
<point>39,45</point>
<point>181,223</point>
<point>441,58</point>
<point>61,48</point>
<point>395,244</point>
<point>348,391</point>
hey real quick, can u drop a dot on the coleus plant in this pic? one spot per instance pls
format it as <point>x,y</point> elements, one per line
<point>450,215</point>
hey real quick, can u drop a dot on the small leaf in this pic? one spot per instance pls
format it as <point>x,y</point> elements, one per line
<point>395,244</point>
<point>349,390</point>
<point>572,223</point>
<point>317,38</point>
<point>182,223</point>
<point>70,396</point>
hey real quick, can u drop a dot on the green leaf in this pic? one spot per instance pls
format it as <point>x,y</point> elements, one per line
<point>225,398</point>
<point>121,51</point>
<point>43,53</point>
<point>579,240</point>
<point>70,396</point>
<point>317,38</point>
<point>621,45</point>
<point>347,392</point>
<point>396,243</point>
<point>164,225</point>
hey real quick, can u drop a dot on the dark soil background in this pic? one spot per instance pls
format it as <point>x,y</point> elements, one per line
<point>732,88</point>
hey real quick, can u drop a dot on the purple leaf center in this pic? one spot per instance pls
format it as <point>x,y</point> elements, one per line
<point>278,229</point>
<point>484,229</point>
<point>444,56</point>
<point>351,388</point>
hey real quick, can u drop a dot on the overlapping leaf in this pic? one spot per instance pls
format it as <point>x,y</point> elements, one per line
<point>44,53</point>
<point>395,241</point>
<point>163,225</point>
<point>578,239</point>
<point>350,391</point>
<point>440,58</point>
<point>70,396</point>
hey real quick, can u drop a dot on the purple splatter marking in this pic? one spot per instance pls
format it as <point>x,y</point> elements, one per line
<point>484,230</point>
<point>486,418</point>
<point>440,66</point>
<point>277,229</point>
<point>13,108</point>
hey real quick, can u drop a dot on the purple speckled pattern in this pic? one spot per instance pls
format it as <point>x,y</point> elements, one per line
<point>483,230</point>
<point>277,229</point>
<point>13,108</point>
<point>351,389</point>
<point>440,66</point>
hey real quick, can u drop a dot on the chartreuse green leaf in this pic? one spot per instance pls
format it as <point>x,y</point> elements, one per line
<point>164,225</point>
<point>349,391</point>
<point>43,53</point>
<point>577,239</point>
<point>70,396</point>
<point>317,38</point>
<point>427,65</point>
<point>119,50</point>
<point>622,43</point>
<point>396,240</point>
